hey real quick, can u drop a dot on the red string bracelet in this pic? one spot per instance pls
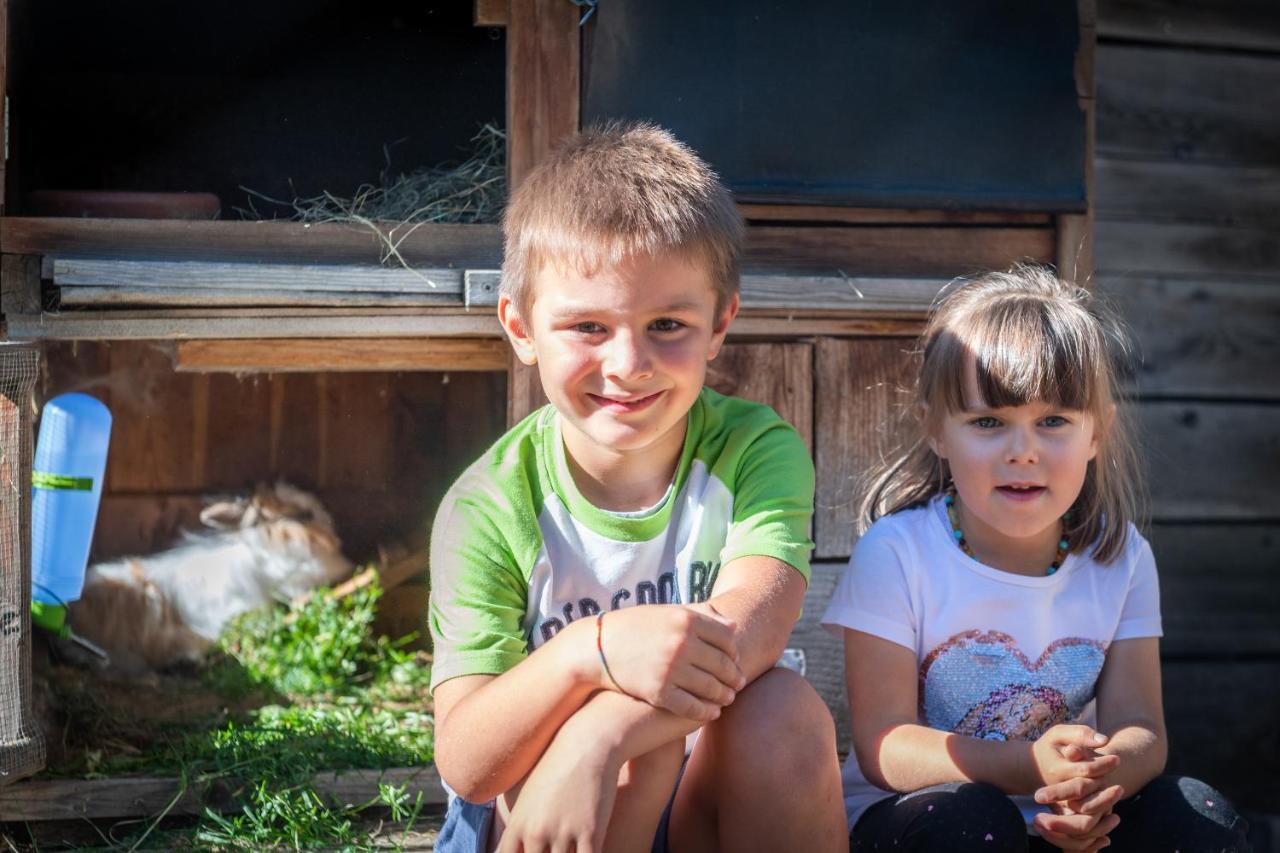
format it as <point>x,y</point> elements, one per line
<point>600,648</point>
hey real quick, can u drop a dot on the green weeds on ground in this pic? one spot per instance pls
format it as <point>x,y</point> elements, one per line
<point>348,699</point>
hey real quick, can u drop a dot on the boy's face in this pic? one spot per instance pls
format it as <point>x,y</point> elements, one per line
<point>622,354</point>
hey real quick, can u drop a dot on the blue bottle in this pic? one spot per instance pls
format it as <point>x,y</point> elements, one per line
<point>70,461</point>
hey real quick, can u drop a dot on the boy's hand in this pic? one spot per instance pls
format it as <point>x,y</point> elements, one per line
<point>679,658</point>
<point>564,803</point>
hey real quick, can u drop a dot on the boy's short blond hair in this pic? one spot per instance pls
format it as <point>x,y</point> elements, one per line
<point>615,192</point>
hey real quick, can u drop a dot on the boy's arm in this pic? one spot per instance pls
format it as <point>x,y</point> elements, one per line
<point>569,794</point>
<point>491,730</point>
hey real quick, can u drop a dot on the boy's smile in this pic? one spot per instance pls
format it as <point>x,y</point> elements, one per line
<point>622,355</point>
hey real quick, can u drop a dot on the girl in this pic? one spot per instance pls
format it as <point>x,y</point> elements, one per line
<point>1001,615</point>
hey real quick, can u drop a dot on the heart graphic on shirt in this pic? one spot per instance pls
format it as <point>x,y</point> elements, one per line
<point>981,684</point>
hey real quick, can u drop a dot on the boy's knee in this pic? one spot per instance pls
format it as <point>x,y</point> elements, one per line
<point>781,709</point>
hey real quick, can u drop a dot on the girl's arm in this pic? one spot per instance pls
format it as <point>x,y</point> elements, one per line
<point>896,753</point>
<point>1130,710</point>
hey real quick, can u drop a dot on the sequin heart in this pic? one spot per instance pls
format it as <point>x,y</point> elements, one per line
<point>981,684</point>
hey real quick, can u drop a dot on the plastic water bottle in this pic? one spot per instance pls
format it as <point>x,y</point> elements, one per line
<point>70,461</point>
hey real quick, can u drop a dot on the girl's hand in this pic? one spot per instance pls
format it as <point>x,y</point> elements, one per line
<point>1054,767</point>
<point>680,658</point>
<point>1076,831</point>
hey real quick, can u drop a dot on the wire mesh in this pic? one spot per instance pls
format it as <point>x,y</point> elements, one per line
<point>21,742</point>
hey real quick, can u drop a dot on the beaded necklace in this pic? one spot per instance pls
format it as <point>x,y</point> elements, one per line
<point>954,517</point>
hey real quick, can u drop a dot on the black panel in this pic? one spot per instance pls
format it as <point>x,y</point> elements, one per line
<point>932,103</point>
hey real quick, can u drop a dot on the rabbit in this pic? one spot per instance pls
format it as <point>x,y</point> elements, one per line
<point>153,612</point>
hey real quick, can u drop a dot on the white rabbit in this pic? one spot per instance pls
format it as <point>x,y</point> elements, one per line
<point>154,611</point>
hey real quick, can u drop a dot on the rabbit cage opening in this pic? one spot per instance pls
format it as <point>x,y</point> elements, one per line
<point>223,492</point>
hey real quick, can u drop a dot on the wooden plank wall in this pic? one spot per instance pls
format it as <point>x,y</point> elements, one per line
<point>1187,198</point>
<point>379,449</point>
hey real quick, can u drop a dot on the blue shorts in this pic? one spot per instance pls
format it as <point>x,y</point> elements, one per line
<point>466,826</point>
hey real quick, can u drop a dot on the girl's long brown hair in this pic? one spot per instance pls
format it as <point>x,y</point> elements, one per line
<point>1032,338</point>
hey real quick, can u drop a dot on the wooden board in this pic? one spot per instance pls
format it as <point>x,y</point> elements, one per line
<point>428,245</point>
<point>1241,24</point>
<point>311,354</point>
<point>1167,191</point>
<point>1218,589</point>
<point>340,278</point>
<point>1200,251</point>
<point>543,58</point>
<point>1201,339</point>
<point>855,397</point>
<point>896,251</point>
<point>1187,105</point>
<point>811,213</point>
<point>778,375</point>
<point>1211,461</point>
<point>19,284</point>
<point>65,799</point>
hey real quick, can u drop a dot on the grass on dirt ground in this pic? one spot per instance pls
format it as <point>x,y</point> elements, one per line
<point>289,693</point>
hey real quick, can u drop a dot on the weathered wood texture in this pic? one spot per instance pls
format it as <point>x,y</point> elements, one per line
<point>4,97</point>
<point>1210,461</point>
<point>1179,192</point>
<point>491,13</point>
<point>379,448</point>
<point>779,375</point>
<point>856,394</point>
<point>765,213</point>
<point>19,284</point>
<point>340,355</point>
<point>1231,24</point>
<point>543,72</point>
<point>823,650</point>
<point>896,251</point>
<point>1202,339</point>
<point>64,799</point>
<point>1178,104</point>
<point>1188,228</point>
<point>430,245</point>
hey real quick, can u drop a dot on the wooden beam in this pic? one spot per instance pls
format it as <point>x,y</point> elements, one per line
<point>93,272</point>
<point>1203,252</point>
<point>1232,24</point>
<point>19,283</point>
<point>291,355</point>
<point>1186,105</point>
<point>543,80</point>
<point>543,60</point>
<point>1200,338</point>
<point>1170,191</point>
<point>905,251</point>
<point>428,245</point>
<point>1075,231</point>
<point>886,216</point>
<point>67,799</point>
<point>492,13</point>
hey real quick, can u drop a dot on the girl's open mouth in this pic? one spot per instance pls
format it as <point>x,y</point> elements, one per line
<point>1021,493</point>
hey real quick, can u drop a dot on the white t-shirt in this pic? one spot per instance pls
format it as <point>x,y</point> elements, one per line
<point>1001,656</point>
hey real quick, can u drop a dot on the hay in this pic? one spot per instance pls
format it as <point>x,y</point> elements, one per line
<point>473,191</point>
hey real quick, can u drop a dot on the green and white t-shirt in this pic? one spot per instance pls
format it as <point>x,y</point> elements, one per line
<point>517,553</point>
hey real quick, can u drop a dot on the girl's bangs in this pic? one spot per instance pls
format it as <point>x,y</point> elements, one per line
<point>1023,351</point>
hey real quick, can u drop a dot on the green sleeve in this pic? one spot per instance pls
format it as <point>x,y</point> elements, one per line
<point>773,500</point>
<point>478,591</point>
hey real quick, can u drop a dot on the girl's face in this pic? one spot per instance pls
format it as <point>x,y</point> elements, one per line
<point>1017,469</point>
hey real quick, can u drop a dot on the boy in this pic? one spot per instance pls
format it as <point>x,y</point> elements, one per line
<point>554,694</point>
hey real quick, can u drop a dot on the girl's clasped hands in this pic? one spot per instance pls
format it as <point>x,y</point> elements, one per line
<point>1075,775</point>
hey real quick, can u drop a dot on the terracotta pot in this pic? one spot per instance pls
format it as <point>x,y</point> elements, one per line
<point>111,204</point>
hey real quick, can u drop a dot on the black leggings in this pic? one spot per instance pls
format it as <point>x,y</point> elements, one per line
<point>1170,813</point>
